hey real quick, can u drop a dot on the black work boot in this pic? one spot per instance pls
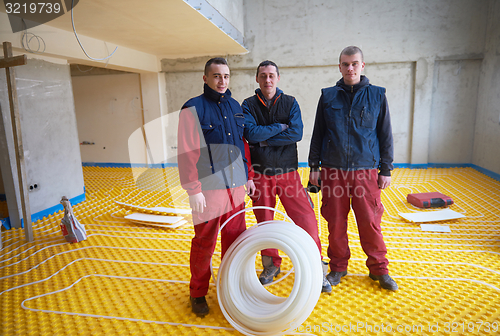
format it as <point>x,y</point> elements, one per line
<point>386,282</point>
<point>334,277</point>
<point>327,287</point>
<point>270,271</point>
<point>199,306</point>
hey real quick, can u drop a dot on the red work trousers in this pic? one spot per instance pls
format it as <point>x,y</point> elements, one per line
<point>288,187</point>
<point>221,204</point>
<point>342,189</point>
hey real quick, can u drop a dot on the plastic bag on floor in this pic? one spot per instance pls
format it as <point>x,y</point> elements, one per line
<point>71,228</point>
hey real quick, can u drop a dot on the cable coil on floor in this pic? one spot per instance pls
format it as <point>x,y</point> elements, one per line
<point>246,304</point>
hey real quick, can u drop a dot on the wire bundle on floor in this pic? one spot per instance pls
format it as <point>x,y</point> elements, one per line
<point>245,303</point>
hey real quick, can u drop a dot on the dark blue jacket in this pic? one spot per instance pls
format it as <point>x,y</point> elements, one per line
<point>221,162</point>
<point>352,136</point>
<point>273,150</point>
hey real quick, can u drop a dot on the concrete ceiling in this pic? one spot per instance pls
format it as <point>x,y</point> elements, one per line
<point>165,28</point>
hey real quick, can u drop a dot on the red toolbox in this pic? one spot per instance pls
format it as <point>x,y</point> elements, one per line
<point>429,200</point>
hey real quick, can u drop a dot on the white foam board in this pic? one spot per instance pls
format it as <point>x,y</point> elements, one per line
<point>435,228</point>
<point>159,209</point>
<point>170,222</point>
<point>141,217</point>
<point>431,216</point>
<point>168,226</point>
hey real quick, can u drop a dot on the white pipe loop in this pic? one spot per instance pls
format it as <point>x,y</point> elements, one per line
<point>245,303</point>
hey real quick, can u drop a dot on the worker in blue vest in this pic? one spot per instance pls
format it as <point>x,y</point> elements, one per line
<point>351,153</point>
<point>214,169</point>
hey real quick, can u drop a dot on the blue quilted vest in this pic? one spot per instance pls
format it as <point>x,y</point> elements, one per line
<point>351,140</point>
<point>222,162</point>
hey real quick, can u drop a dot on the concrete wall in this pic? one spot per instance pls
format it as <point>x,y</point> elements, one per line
<point>314,32</point>
<point>402,42</point>
<point>183,85</point>
<point>49,133</point>
<point>487,131</point>
<point>108,110</point>
<point>453,113</point>
<point>232,10</point>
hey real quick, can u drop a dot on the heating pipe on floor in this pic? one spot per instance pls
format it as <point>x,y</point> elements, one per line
<point>246,304</point>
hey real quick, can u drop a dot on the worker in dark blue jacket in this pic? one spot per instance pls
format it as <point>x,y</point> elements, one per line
<point>214,169</point>
<point>273,126</point>
<point>351,154</point>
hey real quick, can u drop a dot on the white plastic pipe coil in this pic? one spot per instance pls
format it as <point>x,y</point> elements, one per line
<point>245,303</point>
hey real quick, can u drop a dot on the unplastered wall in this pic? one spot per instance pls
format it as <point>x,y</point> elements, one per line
<point>49,134</point>
<point>453,113</point>
<point>109,110</point>
<point>404,43</point>
<point>292,80</point>
<point>487,132</point>
<point>232,10</point>
<point>183,85</point>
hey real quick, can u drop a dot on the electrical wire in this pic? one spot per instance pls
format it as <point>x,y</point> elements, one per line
<point>92,68</point>
<point>81,46</point>
<point>26,43</point>
<point>245,303</point>
<point>84,70</point>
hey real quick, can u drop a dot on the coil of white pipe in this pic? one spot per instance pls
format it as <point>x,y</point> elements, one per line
<point>245,303</point>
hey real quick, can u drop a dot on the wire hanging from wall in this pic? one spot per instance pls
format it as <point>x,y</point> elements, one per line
<point>81,46</point>
<point>78,67</point>
<point>25,42</point>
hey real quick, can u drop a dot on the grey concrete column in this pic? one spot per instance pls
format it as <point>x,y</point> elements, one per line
<point>424,81</point>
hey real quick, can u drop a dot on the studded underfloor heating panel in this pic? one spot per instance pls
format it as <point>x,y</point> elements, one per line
<point>132,279</point>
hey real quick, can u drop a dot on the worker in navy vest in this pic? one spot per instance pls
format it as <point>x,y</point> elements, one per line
<point>214,168</point>
<point>273,126</point>
<point>351,156</point>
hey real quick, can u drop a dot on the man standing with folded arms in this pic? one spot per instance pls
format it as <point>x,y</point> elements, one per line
<point>351,157</point>
<point>213,170</point>
<point>273,126</point>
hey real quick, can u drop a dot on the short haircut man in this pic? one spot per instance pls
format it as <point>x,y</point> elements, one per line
<point>351,153</point>
<point>266,64</point>
<point>204,158</point>
<point>215,60</point>
<point>273,126</point>
<point>349,51</point>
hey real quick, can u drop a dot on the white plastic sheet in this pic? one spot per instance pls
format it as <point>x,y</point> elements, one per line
<point>431,216</point>
<point>435,228</point>
<point>170,222</point>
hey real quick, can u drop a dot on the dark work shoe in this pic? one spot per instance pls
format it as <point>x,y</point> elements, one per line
<point>199,306</point>
<point>268,274</point>
<point>386,282</point>
<point>334,277</point>
<point>270,271</point>
<point>327,287</point>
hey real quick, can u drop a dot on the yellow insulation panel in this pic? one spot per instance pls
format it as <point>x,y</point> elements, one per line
<point>131,279</point>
